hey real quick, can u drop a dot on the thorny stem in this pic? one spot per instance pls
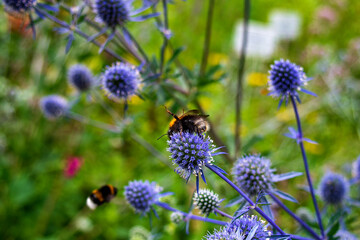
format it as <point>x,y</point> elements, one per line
<point>307,166</point>
<point>222,213</point>
<point>187,215</point>
<point>239,88</point>
<point>151,149</point>
<point>166,27</point>
<point>293,215</point>
<point>252,204</point>
<point>92,122</point>
<point>79,32</point>
<point>207,40</point>
<point>137,45</point>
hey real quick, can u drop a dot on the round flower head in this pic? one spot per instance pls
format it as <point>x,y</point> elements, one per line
<point>141,195</point>
<point>80,77</point>
<point>121,81</point>
<point>53,106</point>
<point>139,233</point>
<point>20,5</point>
<point>191,152</point>
<point>206,201</point>
<point>253,174</point>
<point>334,188</point>
<point>240,229</point>
<point>177,217</point>
<point>113,12</point>
<point>285,79</point>
<point>356,169</point>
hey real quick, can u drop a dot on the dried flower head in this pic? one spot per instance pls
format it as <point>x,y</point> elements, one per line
<point>53,106</point>
<point>141,195</point>
<point>286,79</point>
<point>253,174</point>
<point>20,5</point>
<point>206,201</point>
<point>333,188</point>
<point>80,77</point>
<point>240,229</point>
<point>121,81</point>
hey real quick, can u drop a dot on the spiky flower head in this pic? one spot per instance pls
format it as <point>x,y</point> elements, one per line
<point>121,81</point>
<point>356,169</point>
<point>286,79</point>
<point>113,12</point>
<point>177,217</point>
<point>253,174</point>
<point>240,229</point>
<point>141,195</point>
<point>20,5</point>
<point>80,77</point>
<point>53,106</point>
<point>206,201</point>
<point>139,233</point>
<point>191,152</point>
<point>333,188</point>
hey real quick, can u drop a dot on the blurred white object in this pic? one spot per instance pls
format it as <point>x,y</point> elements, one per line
<point>261,40</point>
<point>285,24</point>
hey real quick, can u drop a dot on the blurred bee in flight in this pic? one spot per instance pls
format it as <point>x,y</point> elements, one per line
<point>100,196</point>
<point>191,121</point>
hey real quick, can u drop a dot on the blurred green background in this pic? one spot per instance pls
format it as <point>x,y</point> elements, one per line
<point>38,202</point>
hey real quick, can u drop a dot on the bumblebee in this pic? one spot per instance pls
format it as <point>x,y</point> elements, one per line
<point>100,196</point>
<point>192,121</point>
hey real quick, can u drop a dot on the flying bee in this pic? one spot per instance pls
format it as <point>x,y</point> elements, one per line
<point>191,121</point>
<point>100,196</point>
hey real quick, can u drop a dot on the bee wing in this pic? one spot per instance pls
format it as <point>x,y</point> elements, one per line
<point>194,112</point>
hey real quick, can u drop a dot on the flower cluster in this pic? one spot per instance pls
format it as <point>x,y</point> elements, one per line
<point>334,188</point>
<point>240,229</point>
<point>206,201</point>
<point>285,79</point>
<point>80,77</point>
<point>176,217</point>
<point>113,12</point>
<point>20,5</point>
<point>190,152</point>
<point>121,81</point>
<point>141,195</point>
<point>253,174</point>
<point>53,106</point>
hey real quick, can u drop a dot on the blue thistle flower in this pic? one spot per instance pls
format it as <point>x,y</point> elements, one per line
<point>113,12</point>
<point>334,188</point>
<point>206,201</point>
<point>80,77</point>
<point>20,5</point>
<point>141,195</point>
<point>240,228</point>
<point>121,81</point>
<point>286,79</point>
<point>191,152</point>
<point>117,12</point>
<point>253,174</point>
<point>53,106</point>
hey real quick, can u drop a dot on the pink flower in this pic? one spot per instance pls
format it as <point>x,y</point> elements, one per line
<point>73,165</point>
